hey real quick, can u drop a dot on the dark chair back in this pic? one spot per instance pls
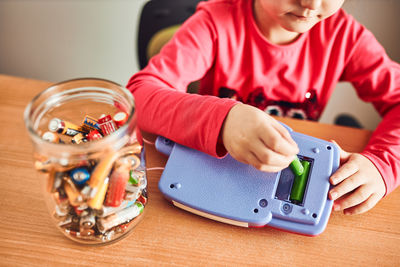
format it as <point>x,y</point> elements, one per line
<point>159,15</point>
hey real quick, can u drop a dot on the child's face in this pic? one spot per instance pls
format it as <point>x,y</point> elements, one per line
<point>297,15</point>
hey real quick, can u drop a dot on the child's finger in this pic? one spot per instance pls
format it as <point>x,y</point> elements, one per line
<point>275,142</point>
<point>355,198</point>
<point>253,160</point>
<point>266,168</point>
<point>269,157</point>
<point>247,157</point>
<point>343,172</point>
<point>346,186</point>
<point>285,134</point>
<point>364,206</point>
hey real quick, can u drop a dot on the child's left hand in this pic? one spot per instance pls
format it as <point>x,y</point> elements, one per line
<point>358,184</point>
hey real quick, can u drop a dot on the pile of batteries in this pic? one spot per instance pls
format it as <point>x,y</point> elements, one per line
<point>90,130</point>
<point>98,199</point>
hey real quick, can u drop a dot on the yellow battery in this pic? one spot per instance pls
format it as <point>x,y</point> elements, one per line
<point>74,196</point>
<point>64,127</point>
<point>97,201</point>
<point>101,171</point>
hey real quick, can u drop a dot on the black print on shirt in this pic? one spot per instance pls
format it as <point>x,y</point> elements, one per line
<point>308,109</point>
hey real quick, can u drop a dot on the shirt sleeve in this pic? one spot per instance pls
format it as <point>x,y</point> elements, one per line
<point>162,104</point>
<point>377,80</point>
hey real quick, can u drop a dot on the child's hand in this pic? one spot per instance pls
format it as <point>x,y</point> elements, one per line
<point>253,137</point>
<point>358,184</point>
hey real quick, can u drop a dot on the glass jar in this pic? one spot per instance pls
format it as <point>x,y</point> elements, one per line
<point>88,159</point>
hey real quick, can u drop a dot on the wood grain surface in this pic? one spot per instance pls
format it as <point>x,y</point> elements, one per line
<point>168,235</point>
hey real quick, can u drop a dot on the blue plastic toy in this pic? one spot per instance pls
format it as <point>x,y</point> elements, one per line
<point>232,192</point>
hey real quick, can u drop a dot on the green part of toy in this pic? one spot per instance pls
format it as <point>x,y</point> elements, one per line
<point>300,183</point>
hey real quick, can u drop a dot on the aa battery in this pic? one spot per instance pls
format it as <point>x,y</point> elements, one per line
<point>142,199</point>
<point>90,124</point>
<point>300,183</point>
<point>97,201</point>
<point>134,177</point>
<point>62,206</point>
<point>107,125</point>
<point>120,217</point>
<point>120,118</point>
<point>116,189</point>
<point>144,192</point>
<point>87,220</point>
<point>100,172</point>
<point>143,182</point>
<point>105,210</point>
<point>94,135</point>
<point>132,192</point>
<point>51,137</point>
<point>64,127</point>
<point>132,195</point>
<point>74,196</point>
<point>296,167</point>
<point>79,176</point>
<point>117,230</point>
<point>79,138</point>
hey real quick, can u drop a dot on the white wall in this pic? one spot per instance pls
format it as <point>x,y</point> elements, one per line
<point>57,40</point>
<point>61,39</point>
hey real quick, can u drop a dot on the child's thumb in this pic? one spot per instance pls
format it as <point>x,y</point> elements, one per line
<point>344,155</point>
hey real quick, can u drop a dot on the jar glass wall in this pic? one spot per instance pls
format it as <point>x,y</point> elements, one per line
<point>88,159</point>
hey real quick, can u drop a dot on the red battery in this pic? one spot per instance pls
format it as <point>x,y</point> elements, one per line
<point>107,125</point>
<point>94,135</point>
<point>116,190</point>
<point>120,118</point>
<point>142,199</point>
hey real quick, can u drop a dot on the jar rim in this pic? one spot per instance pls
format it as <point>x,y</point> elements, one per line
<point>85,147</point>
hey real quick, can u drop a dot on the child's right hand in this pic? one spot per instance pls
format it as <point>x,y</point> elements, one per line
<point>253,137</point>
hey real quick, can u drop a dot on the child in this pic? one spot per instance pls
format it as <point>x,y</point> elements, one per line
<point>284,58</point>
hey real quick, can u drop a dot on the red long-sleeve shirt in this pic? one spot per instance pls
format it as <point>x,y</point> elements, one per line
<point>221,45</point>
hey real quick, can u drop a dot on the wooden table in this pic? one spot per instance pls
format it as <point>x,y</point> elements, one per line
<point>168,235</point>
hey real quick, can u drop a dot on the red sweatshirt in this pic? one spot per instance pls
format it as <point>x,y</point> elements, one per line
<point>222,46</point>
